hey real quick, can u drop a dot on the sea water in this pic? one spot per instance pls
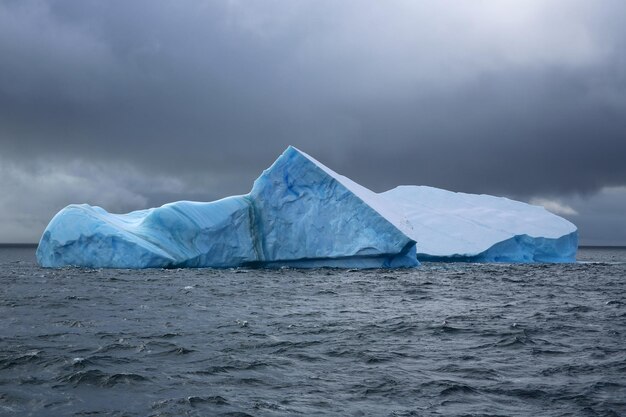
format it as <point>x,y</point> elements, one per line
<point>438,340</point>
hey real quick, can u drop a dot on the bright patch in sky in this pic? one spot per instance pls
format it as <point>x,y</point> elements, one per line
<point>554,206</point>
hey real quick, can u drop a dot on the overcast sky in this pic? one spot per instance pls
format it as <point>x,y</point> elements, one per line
<point>129,105</point>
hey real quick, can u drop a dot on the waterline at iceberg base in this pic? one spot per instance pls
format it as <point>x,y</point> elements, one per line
<point>302,214</point>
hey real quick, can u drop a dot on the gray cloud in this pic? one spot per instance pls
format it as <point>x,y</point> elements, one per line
<point>599,217</point>
<point>523,99</point>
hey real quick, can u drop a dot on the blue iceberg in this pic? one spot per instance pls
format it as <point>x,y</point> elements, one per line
<point>302,214</point>
<point>298,214</point>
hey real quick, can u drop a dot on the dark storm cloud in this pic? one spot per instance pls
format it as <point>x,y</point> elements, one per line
<point>599,218</point>
<point>511,133</point>
<point>516,98</point>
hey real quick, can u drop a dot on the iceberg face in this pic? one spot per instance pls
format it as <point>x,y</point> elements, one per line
<point>301,200</point>
<point>302,214</point>
<point>450,226</point>
<point>299,213</point>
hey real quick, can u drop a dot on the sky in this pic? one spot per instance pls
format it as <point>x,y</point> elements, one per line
<point>129,105</point>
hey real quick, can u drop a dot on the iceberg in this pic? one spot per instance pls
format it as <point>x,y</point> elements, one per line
<point>302,214</point>
<point>454,226</point>
<point>299,214</point>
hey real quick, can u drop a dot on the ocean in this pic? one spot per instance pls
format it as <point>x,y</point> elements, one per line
<point>440,340</point>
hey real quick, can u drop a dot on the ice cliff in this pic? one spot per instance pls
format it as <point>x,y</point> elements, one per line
<point>300,213</point>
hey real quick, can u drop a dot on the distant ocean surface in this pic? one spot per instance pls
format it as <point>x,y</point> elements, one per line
<point>440,340</point>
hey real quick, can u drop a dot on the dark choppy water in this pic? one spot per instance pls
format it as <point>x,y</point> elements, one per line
<point>444,339</point>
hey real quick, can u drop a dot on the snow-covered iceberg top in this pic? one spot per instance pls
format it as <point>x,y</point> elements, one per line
<point>451,226</point>
<point>300,213</point>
